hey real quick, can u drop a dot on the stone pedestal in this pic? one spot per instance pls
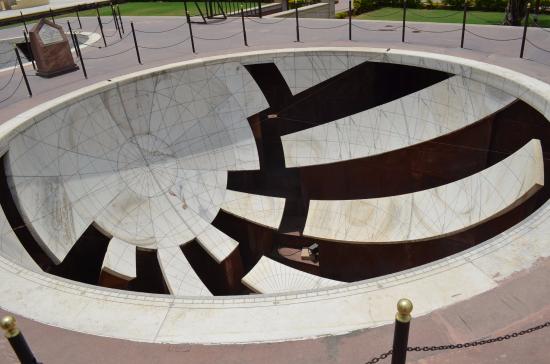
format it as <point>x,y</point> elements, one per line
<point>51,50</point>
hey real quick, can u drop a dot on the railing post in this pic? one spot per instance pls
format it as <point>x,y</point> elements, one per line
<point>78,17</point>
<point>135,42</point>
<point>17,341</point>
<point>525,25</point>
<point>29,49</point>
<point>260,8</point>
<point>23,71</point>
<point>404,20</point>
<point>23,20</point>
<point>297,26</point>
<point>244,28</point>
<point>349,17</point>
<point>101,28</point>
<point>79,54</point>
<point>74,39</point>
<point>51,14</point>
<point>120,19</point>
<point>401,332</point>
<point>464,23</point>
<point>190,31</point>
<point>117,26</point>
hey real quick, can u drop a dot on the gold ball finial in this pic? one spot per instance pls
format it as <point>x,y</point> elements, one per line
<point>404,309</point>
<point>9,324</point>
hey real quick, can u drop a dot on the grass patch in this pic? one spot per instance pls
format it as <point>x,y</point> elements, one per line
<point>159,8</point>
<point>442,16</point>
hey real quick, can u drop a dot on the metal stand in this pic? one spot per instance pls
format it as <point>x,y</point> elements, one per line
<point>23,71</point>
<point>404,21</point>
<point>135,42</point>
<point>17,341</point>
<point>401,332</point>
<point>349,17</point>
<point>244,28</point>
<point>297,27</point>
<point>464,23</point>
<point>525,25</point>
<point>190,32</point>
<point>29,49</point>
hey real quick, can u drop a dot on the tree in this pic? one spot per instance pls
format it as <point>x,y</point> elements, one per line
<point>515,12</point>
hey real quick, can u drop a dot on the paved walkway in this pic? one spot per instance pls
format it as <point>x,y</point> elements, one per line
<point>518,303</point>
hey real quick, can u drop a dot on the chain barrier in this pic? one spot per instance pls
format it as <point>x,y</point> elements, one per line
<point>11,76</point>
<point>230,36</point>
<point>160,31</point>
<point>535,21</point>
<point>434,31</point>
<point>110,55</point>
<point>168,46</point>
<point>380,357</point>
<point>14,91</point>
<point>464,345</point>
<point>388,29</point>
<point>480,342</point>
<point>226,21</point>
<point>267,23</point>
<point>322,28</point>
<point>494,39</point>
<point>536,46</point>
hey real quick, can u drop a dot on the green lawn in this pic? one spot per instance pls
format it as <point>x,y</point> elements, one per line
<point>442,16</point>
<point>159,8</point>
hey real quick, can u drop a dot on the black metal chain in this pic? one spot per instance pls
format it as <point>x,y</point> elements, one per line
<point>464,345</point>
<point>380,357</point>
<point>480,342</point>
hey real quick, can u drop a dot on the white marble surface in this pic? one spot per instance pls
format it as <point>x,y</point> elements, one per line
<point>434,111</point>
<point>165,319</point>
<point>120,259</point>
<point>146,160</point>
<point>10,246</point>
<point>179,276</point>
<point>433,212</point>
<point>269,276</point>
<point>263,210</point>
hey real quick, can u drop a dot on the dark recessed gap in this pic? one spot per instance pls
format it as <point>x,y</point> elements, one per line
<point>222,278</point>
<point>149,277</point>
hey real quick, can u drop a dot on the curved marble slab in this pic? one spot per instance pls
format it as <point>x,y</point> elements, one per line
<point>146,160</point>
<point>216,243</point>
<point>11,248</point>
<point>434,212</point>
<point>270,276</point>
<point>260,209</point>
<point>178,274</point>
<point>436,110</point>
<point>120,259</point>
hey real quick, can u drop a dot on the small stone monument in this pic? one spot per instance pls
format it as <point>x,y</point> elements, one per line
<point>51,50</point>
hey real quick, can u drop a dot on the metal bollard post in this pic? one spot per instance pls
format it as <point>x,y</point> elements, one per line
<point>190,31</point>
<point>297,27</point>
<point>30,49</point>
<point>24,23</point>
<point>101,29</point>
<point>78,17</point>
<point>349,17</point>
<point>17,341</point>
<point>404,20</point>
<point>115,20</point>
<point>401,332</point>
<point>244,28</point>
<point>120,19</point>
<point>525,25</point>
<point>23,71</point>
<point>464,23</point>
<point>79,52</point>
<point>51,14</point>
<point>260,8</point>
<point>135,42</point>
<point>75,39</point>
